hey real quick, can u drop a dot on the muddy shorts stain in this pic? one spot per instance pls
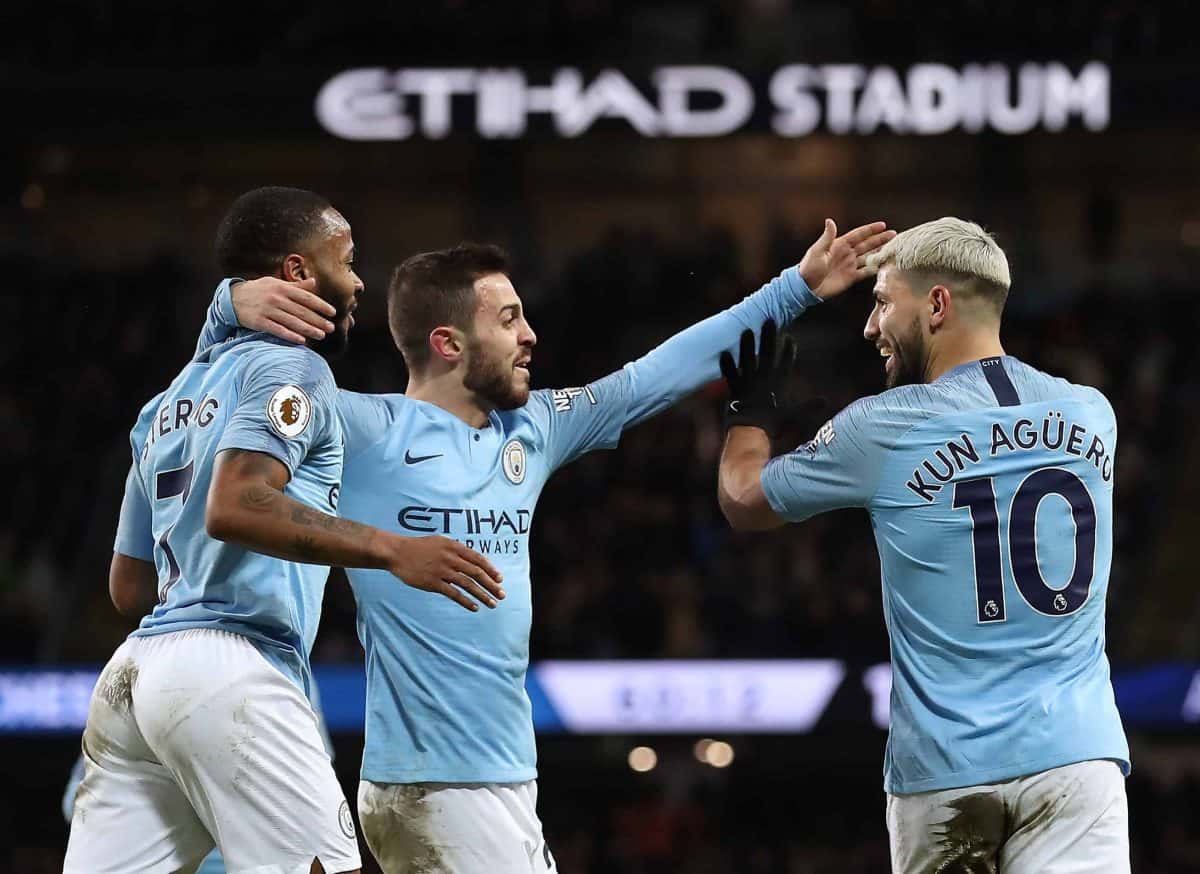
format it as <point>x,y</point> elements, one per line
<point>397,823</point>
<point>963,844</point>
<point>116,685</point>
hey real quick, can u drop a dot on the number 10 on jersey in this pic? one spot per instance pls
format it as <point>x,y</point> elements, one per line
<point>978,496</point>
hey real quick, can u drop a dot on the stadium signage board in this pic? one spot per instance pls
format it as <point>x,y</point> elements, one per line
<point>638,697</point>
<point>376,103</point>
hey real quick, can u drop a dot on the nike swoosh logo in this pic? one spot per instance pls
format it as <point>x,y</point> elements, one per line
<point>409,458</point>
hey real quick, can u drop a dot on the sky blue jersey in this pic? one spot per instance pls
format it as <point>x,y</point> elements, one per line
<point>990,495</point>
<point>254,393</point>
<point>446,698</point>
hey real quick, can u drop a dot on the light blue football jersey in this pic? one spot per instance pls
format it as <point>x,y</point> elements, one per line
<point>253,393</point>
<point>990,495</point>
<point>446,698</point>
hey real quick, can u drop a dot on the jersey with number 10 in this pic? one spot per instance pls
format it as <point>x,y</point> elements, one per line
<point>251,393</point>
<point>990,494</point>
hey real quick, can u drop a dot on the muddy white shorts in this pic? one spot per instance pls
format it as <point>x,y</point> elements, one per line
<point>1068,820</point>
<point>454,828</point>
<point>194,737</point>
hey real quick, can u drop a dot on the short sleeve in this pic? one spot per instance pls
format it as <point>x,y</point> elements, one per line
<point>135,536</point>
<point>286,404</point>
<point>840,467</point>
<point>365,420</point>
<point>578,420</point>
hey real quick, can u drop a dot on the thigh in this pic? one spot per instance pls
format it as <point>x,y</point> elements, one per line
<point>449,828</point>
<point>243,744</point>
<point>954,831</point>
<point>1069,820</point>
<point>524,804</point>
<point>129,814</point>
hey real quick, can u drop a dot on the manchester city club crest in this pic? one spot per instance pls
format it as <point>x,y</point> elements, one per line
<point>345,820</point>
<point>512,458</point>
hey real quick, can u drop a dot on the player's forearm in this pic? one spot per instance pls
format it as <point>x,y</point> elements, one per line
<point>688,360</point>
<point>132,585</point>
<point>739,478</point>
<point>260,517</point>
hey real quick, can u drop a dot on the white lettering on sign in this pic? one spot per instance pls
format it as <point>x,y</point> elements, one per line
<point>707,101</point>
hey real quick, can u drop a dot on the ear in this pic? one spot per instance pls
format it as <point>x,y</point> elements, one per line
<point>448,343</point>
<point>940,303</point>
<point>294,268</point>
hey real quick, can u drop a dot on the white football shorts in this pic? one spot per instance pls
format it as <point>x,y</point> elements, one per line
<point>192,738</point>
<point>454,828</point>
<point>1068,820</point>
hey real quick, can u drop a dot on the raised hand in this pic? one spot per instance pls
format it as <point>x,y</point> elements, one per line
<point>289,310</point>
<point>756,379</point>
<point>832,264</point>
<point>446,567</point>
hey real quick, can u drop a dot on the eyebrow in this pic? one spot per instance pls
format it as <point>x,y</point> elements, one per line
<point>515,307</point>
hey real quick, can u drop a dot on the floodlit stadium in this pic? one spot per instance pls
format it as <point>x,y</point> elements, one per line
<point>235,556</point>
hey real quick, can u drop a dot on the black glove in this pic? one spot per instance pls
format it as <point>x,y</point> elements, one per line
<point>756,381</point>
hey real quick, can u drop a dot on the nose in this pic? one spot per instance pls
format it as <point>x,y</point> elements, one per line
<point>529,338</point>
<point>871,330</point>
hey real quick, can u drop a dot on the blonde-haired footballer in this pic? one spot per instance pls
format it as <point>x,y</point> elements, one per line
<point>989,485</point>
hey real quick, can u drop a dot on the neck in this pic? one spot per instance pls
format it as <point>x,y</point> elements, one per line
<point>447,391</point>
<point>961,348</point>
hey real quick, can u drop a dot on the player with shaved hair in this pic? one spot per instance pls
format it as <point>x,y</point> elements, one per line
<point>989,486</point>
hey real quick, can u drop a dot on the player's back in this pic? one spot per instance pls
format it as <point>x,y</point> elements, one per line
<point>256,394</point>
<point>993,518</point>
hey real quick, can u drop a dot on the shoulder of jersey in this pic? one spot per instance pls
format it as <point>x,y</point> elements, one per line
<point>1082,392</point>
<point>394,407</point>
<point>146,415</point>
<point>533,413</point>
<point>916,401</point>
<point>307,364</point>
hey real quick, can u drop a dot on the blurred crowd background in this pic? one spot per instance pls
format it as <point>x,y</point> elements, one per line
<point>107,217</point>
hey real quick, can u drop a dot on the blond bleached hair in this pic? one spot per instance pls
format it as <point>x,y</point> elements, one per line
<point>950,249</point>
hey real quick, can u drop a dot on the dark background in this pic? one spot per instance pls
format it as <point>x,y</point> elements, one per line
<point>130,130</point>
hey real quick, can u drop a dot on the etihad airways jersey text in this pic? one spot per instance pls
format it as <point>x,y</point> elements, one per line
<point>446,699</point>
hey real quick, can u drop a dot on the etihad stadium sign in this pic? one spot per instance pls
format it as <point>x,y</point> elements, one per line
<point>707,101</point>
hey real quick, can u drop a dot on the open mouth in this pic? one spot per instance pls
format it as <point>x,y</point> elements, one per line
<point>889,358</point>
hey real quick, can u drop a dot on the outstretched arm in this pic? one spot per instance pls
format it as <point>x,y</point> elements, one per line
<point>578,420</point>
<point>689,359</point>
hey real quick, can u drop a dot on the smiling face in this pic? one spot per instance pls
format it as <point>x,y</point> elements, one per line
<point>500,345</point>
<point>896,329</point>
